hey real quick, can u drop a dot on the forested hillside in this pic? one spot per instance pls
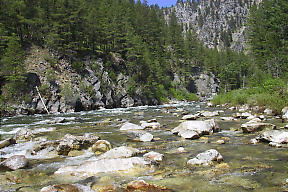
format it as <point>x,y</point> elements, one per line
<point>128,47</point>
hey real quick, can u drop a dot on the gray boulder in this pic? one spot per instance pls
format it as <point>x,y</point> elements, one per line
<point>128,126</point>
<point>206,158</point>
<point>154,156</point>
<point>274,136</point>
<point>15,162</point>
<point>23,134</point>
<point>71,142</point>
<point>195,129</point>
<point>139,135</point>
<point>256,125</point>
<point>119,152</point>
<point>101,146</point>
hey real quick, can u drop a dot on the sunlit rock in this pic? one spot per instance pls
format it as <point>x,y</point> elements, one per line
<point>15,162</point>
<point>71,142</point>
<point>206,158</point>
<point>119,152</point>
<point>154,156</point>
<point>195,129</point>
<point>128,126</point>
<point>139,135</point>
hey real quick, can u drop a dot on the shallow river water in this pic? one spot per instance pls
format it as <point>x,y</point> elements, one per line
<point>245,166</point>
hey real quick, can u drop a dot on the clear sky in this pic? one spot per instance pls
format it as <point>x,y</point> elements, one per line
<point>162,3</point>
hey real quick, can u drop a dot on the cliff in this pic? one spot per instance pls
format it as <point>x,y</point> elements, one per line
<point>218,23</point>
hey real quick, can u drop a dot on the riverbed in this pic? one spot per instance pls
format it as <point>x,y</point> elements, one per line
<point>245,166</point>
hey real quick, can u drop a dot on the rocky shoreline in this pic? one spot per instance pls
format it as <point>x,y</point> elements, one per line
<point>133,160</point>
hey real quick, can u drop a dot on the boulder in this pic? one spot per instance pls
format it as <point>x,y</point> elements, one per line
<point>210,113</point>
<point>128,126</point>
<point>7,142</point>
<point>151,125</point>
<point>206,158</point>
<point>268,112</point>
<point>285,114</point>
<point>274,136</point>
<point>71,142</point>
<point>23,134</point>
<point>256,125</point>
<point>58,120</point>
<point>15,162</point>
<point>190,117</point>
<point>154,156</point>
<point>139,135</point>
<point>101,146</point>
<point>227,118</point>
<point>195,129</point>
<point>244,115</point>
<point>119,152</point>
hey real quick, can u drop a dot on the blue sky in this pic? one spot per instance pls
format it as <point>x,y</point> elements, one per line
<point>162,3</point>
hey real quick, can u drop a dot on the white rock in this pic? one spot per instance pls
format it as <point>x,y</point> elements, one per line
<point>128,126</point>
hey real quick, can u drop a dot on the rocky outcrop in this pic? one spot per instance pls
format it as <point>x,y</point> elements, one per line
<point>217,23</point>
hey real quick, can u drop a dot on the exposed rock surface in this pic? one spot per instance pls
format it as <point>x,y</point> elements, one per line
<point>66,188</point>
<point>206,158</point>
<point>195,129</point>
<point>141,185</point>
<point>71,142</point>
<point>129,126</point>
<point>139,135</point>
<point>274,136</point>
<point>256,125</point>
<point>15,162</point>
<point>217,23</point>
<point>285,114</point>
<point>119,152</point>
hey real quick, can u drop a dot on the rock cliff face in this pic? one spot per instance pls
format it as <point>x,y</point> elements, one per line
<point>63,89</point>
<point>218,23</point>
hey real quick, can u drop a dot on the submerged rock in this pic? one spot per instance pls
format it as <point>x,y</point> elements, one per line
<point>91,168</point>
<point>71,142</point>
<point>206,158</point>
<point>141,185</point>
<point>195,129</point>
<point>15,162</point>
<point>66,188</point>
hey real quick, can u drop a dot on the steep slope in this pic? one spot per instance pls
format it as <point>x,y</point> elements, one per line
<point>218,23</point>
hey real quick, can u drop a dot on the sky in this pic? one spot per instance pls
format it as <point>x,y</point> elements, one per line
<point>162,3</point>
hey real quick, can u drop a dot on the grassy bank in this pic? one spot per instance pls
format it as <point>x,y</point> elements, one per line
<point>273,94</point>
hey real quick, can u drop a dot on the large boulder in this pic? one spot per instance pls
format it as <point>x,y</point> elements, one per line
<point>15,162</point>
<point>71,142</point>
<point>195,129</point>
<point>274,136</point>
<point>23,134</point>
<point>101,146</point>
<point>206,158</point>
<point>256,125</point>
<point>154,156</point>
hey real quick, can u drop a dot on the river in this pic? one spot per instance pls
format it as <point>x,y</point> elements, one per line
<point>245,166</point>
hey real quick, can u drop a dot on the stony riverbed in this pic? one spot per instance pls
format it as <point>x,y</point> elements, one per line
<point>156,148</point>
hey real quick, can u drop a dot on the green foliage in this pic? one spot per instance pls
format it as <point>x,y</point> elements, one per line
<point>68,94</point>
<point>273,94</point>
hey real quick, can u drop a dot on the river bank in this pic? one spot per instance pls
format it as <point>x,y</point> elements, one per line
<point>247,163</point>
